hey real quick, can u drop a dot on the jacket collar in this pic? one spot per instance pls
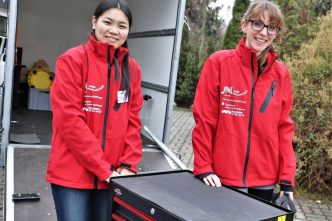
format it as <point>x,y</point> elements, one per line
<point>101,48</point>
<point>246,53</point>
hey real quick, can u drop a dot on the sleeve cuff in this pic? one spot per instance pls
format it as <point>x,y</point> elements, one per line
<point>203,175</point>
<point>286,188</point>
<point>125,165</point>
<point>128,167</point>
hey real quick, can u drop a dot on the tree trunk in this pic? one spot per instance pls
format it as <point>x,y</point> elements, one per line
<point>201,48</point>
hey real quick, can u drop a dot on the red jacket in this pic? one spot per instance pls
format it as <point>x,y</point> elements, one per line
<point>79,99</point>
<point>243,130</point>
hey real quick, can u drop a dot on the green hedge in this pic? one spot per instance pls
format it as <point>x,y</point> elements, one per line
<point>311,71</point>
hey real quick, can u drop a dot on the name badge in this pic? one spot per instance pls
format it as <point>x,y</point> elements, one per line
<point>122,97</point>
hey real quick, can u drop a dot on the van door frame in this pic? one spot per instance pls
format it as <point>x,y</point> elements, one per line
<point>9,75</point>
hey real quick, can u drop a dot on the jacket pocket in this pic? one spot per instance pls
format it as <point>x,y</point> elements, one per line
<point>263,162</point>
<point>269,96</point>
<point>228,157</point>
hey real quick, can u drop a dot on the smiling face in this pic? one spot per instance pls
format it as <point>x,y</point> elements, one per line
<point>111,27</point>
<point>258,40</point>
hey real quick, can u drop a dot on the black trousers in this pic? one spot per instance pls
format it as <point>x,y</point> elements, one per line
<point>264,194</point>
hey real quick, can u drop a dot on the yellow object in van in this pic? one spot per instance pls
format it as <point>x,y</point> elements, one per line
<point>40,79</point>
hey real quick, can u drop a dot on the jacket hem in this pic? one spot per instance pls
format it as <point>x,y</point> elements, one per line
<point>76,185</point>
<point>249,184</point>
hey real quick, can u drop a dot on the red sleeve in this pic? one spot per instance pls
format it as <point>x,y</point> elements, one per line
<point>286,132</point>
<point>133,143</point>
<point>69,118</point>
<point>206,115</point>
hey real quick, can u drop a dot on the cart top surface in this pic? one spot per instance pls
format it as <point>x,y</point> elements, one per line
<point>182,194</point>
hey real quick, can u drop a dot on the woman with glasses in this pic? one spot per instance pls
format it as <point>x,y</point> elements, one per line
<point>243,132</point>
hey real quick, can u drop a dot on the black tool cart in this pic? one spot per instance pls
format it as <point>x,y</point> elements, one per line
<point>178,195</point>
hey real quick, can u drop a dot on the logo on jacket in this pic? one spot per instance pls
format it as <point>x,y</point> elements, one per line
<point>93,98</point>
<point>231,91</point>
<point>90,87</point>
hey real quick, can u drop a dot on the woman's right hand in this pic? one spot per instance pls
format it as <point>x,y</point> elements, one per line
<point>114,174</point>
<point>212,180</point>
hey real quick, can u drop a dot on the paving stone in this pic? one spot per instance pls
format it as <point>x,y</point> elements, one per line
<point>317,211</point>
<point>324,206</point>
<point>299,216</point>
<point>314,216</point>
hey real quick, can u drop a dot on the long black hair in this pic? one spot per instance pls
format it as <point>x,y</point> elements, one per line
<point>123,6</point>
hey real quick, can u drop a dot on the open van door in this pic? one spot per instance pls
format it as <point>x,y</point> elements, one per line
<point>43,29</point>
<point>159,40</point>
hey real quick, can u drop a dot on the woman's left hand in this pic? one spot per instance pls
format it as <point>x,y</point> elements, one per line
<point>212,180</point>
<point>124,172</point>
<point>290,194</point>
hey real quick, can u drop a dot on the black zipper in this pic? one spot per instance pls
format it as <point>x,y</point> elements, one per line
<point>268,97</point>
<point>244,176</point>
<point>109,67</point>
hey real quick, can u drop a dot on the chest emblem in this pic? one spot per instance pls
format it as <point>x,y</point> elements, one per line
<point>90,87</point>
<point>231,91</point>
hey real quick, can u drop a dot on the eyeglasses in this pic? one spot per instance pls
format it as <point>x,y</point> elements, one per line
<point>258,25</point>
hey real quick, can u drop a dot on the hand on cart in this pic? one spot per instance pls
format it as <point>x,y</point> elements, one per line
<point>211,179</point>
<point>124,171</point>
<point>285,199</point>
<point>114,174</point>
<point>289,194</point>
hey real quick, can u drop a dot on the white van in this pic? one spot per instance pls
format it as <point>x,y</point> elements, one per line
<point>43,29</point>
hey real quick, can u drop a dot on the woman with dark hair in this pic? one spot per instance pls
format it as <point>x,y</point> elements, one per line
<point>243,132</point>
<point>96,98</point>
